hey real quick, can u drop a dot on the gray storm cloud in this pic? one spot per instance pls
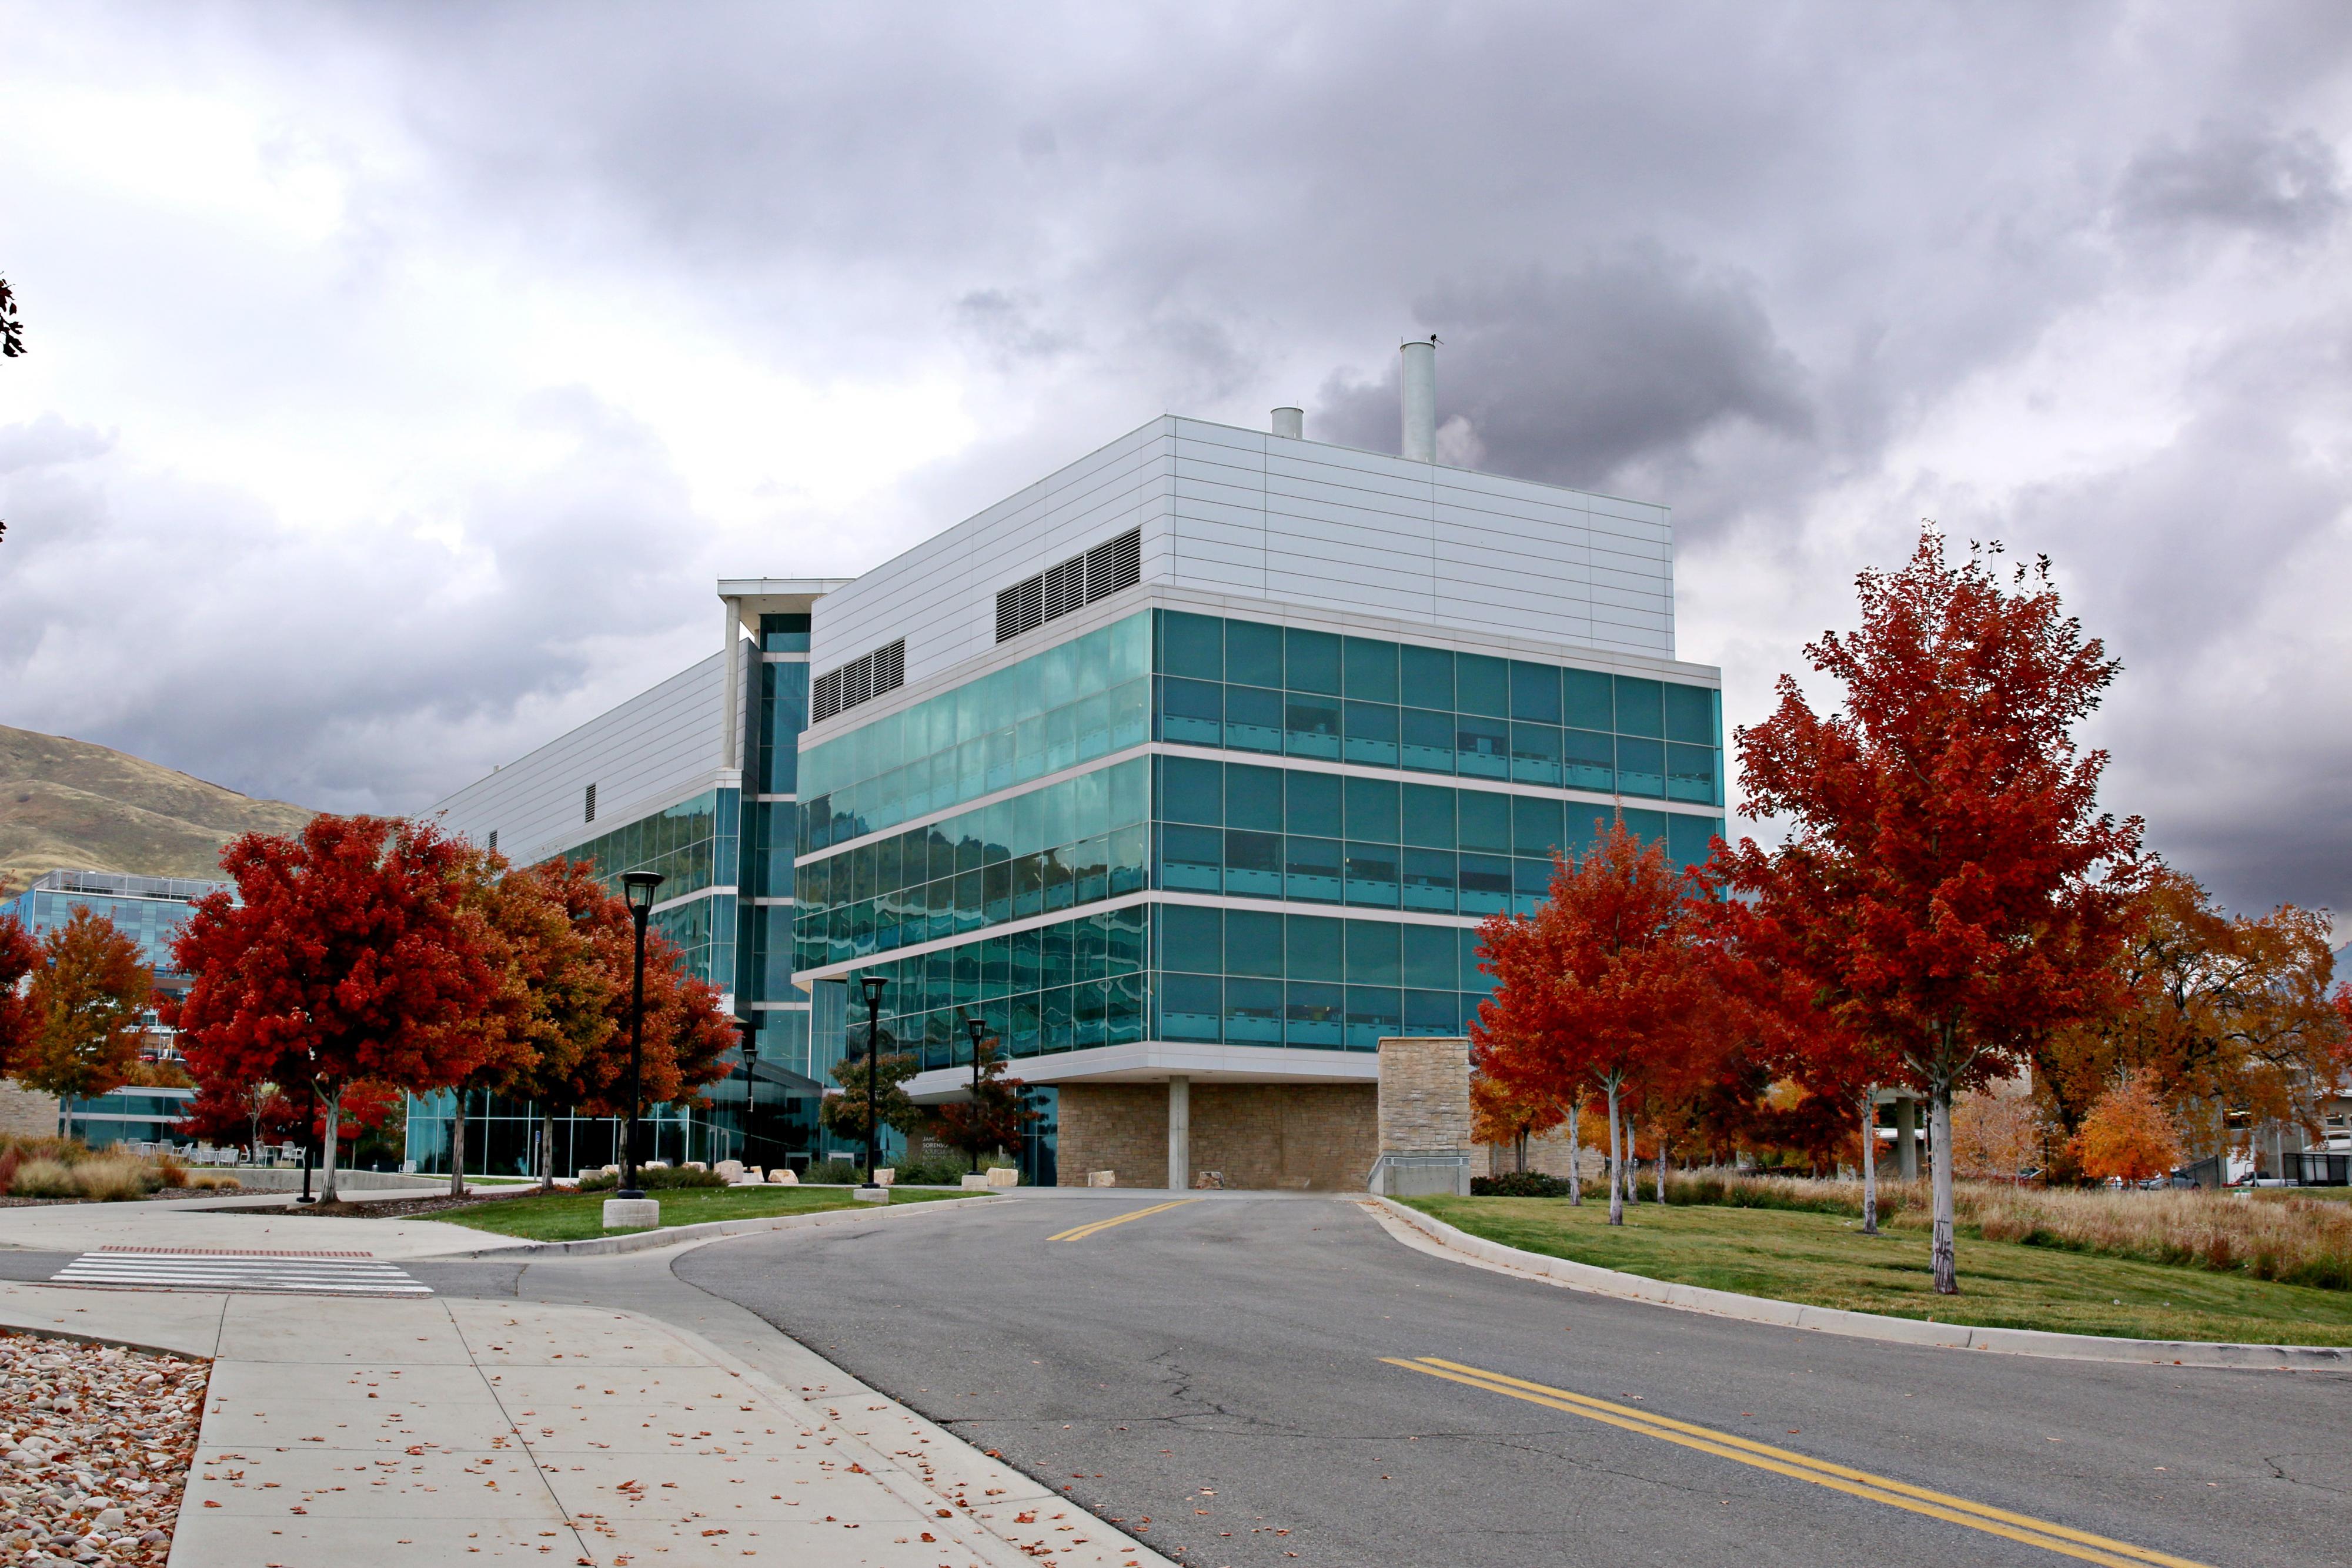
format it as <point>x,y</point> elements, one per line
<point>402,376</point>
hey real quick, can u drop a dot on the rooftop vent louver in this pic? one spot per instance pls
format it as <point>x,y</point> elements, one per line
<point>1075,582</point>
<point>862,679</point>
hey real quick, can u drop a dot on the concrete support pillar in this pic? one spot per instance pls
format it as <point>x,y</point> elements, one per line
<point>1180,1132</point>
<point>1906,1138</point>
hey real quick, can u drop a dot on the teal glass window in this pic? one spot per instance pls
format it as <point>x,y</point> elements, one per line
<point>1253,719</point>
<point>1427,817</point>
<point>1588,761</point>
<point>1370,670</point>
<point>1314,1015</point>
<point>1252,1011</point>
<point>1426,740</point>
<point>1371,734</point>
<point>1253,798</point>
<point>1428,959</point>
<point>1192,938</point>
<point>1254,943</point>
<point>1534,754</point>
<point>1191,645</point>
<point>1253,654</point>
<point>1315,947</point>
<point>1312,804</point>
<point>1192,713</point>
<point>1482,686</point>
<point>1536,826</point>
<point>1190,858</point>
<point>1372,808</point>
<point>1486,884</point>
<point>1485,821</point>
<point>1482,746</point>
<point>1587,702</point>
<point>1373,1012</point>
<point>1311,726</point>
<point>1310,661</point>
<point>1689,840</point>
<point>1690,775</point>
<point>1426,880</point>
<point>1431,1013</point>
<point>1372,953</point>
<point>1192,790</point>
<point>1371,875</point>
<point>1646,825</point>
<point>1535,692</point>
<point>1189,1006</point>
<point>785,633</point>
<point>1640,767</point>
<point>1312,869</point>
<point>1254,865</point>
<point>1691,714</point>
<point>1426,677</point>
<point>1639,707</point>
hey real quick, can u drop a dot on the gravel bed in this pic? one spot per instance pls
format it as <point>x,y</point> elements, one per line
<point>95,1444</point>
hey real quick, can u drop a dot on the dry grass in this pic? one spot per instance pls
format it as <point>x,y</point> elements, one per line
<point>43,1178</point>
<point>116,1178</point>
<point>2294,1240</point>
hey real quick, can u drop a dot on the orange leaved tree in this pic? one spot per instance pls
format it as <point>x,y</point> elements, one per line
<point>1949,884</point>
<point>2126,1135</point>
<point>1609,983</point>
<point>87,1001</point>
<point>1503,1117</point>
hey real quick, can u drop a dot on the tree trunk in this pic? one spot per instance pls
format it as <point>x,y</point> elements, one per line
<point>1523,1151</point>
<point>1940,1135</point>
<point>1870,1161</point>
<point>458,1148</point>
<point>1662,1167</point>
<point>335,1136</point>
<point>1575,1159</point>
<point>1616,1163</point>
<point>547,1148</point>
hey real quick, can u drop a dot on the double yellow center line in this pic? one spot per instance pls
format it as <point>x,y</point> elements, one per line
<point>2058,1538</point>
<point>1080,1232</point>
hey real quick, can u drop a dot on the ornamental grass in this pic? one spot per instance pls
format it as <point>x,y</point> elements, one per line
<point>2291,1240</point>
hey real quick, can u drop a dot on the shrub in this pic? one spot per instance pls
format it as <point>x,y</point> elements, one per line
<point>1519,1183</point>
<point>43,1178</point>
<point>63,1151</point>
<point>832,1173</point>
<point>932,1170</point>
<point>115,1179</point>
<point>211,1181</point>
<point>172,1171</point>
<point>654,1178</point>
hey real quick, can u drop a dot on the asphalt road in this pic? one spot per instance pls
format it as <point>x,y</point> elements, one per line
<point>1212,1376</point>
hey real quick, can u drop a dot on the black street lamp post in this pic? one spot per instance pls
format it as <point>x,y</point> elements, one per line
<point>979,1032</point>
<point>749,1029</point>
<point>873,984</point>
<point>638,886</point>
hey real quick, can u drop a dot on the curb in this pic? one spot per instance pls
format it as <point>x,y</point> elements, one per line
<point>710,1230</point>
<point>1597,1281</point>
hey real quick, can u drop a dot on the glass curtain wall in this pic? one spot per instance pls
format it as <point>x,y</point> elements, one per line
<point>502,1135</point>
<point>1243,686</point>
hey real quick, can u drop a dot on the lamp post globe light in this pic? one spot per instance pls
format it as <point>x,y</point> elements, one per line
<point>638,887</point>
<point>874,985</point>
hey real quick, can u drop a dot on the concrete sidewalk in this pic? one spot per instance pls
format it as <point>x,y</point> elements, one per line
<point>340,1431</point>
<point>198,1222</point>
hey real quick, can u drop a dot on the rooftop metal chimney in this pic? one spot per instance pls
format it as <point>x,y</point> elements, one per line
<point>1290,421</point>
<point>1417,385</point>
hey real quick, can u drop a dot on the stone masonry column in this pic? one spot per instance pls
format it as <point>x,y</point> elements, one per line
<point>1424,1117</point>
<point>1180,1132</point>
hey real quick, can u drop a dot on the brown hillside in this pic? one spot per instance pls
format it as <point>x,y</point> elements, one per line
<point>69,803</point>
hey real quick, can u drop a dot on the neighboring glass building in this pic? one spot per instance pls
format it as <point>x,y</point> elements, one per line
<point>149,909</point>
<point>1188,773</point>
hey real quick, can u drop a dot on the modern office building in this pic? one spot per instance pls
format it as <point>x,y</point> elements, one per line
<point>1188,771</point>
<point>149,909</point>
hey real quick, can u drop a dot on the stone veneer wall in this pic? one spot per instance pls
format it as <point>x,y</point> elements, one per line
<point>1311,1137</point>
<point>25,1113</point>
<point>1118,1127</point>
<point>1424,1095</point>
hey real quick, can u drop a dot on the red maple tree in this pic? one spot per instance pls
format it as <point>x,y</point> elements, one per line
<point>20,956</point>
<point>1608,983</point>
<point>351,952</point>
<point>1948,883</point>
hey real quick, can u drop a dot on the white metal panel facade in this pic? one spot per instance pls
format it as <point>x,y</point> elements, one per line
<point>658,747</point>
<point>1242,512</point>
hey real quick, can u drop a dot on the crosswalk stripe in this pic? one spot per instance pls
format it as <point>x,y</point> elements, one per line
<point>341,1274</point>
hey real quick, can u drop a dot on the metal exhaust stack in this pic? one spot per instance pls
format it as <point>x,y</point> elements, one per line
<point>1291,422</point>
<point>1417,386</point>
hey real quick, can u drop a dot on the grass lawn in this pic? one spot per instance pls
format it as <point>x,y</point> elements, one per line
<point>576,1216</point>
<point>1824,1259</point>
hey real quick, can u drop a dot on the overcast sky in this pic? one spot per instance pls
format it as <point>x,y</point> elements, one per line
<point>401,376</point>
